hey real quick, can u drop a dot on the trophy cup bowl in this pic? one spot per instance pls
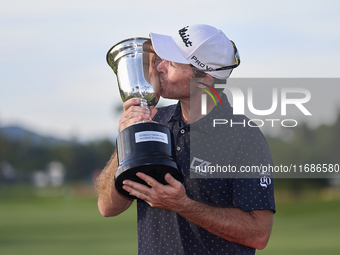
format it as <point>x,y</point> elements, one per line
<point>145,146</point>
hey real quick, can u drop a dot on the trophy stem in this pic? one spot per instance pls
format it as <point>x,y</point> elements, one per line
<point>144,103</point>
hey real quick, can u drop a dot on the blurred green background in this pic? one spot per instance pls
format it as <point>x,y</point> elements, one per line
<point>48,202</point>
<point>59,221</point>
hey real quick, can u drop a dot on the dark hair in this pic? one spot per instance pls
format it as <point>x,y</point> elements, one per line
<point>201,74</point>
<point>197,73</point>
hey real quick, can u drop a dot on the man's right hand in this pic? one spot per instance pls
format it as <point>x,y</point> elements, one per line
<point>134,113</point>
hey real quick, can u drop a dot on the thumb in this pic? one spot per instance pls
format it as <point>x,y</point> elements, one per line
<point>153,112</point>
<point>171,180</point>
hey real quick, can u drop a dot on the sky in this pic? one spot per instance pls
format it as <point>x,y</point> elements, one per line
<point>54,78</point>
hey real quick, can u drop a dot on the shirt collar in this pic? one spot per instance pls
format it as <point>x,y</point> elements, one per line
<point>176,114</point>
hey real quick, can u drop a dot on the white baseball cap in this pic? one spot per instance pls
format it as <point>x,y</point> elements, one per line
<point>205,47</point>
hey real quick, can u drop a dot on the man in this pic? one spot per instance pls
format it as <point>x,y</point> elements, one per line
<point>202,215</point>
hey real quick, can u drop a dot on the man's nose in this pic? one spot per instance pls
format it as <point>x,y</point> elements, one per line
<point>161,65</point>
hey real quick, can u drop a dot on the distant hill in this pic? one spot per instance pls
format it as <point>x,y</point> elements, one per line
<point>17,134</point>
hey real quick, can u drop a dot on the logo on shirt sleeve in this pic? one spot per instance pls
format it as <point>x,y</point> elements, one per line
<point>265,181</point>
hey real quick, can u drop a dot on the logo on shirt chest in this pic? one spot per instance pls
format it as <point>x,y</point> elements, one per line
<point>198,163</point>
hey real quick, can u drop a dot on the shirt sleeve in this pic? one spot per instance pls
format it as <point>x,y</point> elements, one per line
<point>253,189</point>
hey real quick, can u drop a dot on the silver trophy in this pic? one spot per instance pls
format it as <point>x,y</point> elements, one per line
<point>145,146</point>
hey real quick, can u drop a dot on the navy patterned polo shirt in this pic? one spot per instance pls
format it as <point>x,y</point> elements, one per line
<point>165,232</point>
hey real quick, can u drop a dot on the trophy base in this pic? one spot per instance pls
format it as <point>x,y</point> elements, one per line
<point>147,148</point>
<point>156,171</point>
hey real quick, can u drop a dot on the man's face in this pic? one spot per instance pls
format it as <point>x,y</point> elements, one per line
<point>175,80</point>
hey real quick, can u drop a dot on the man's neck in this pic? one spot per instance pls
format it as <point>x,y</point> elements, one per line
<point>191,109</point>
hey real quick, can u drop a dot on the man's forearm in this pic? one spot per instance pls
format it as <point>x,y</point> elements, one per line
<point>110,202</point>
<point>251,228</point>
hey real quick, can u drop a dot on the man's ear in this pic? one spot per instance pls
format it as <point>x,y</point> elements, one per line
<point>208,79</point>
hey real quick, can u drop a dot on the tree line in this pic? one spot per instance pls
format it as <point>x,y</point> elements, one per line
<point>304,145</point>
<point>79,160</point>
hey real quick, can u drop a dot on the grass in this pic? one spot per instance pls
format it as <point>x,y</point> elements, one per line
<point>58,225</point>
<point>72,225</point>
<point>305,228</point>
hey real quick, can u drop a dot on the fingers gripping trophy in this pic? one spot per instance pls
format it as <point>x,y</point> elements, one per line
<point>145,146</point>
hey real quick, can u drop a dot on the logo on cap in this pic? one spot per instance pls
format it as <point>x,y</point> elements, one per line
<point>185,36</point>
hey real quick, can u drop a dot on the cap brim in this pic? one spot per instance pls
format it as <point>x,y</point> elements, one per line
<point>166,48</point>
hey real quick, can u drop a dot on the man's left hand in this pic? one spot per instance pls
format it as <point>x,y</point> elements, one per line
<point>168,197</point>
